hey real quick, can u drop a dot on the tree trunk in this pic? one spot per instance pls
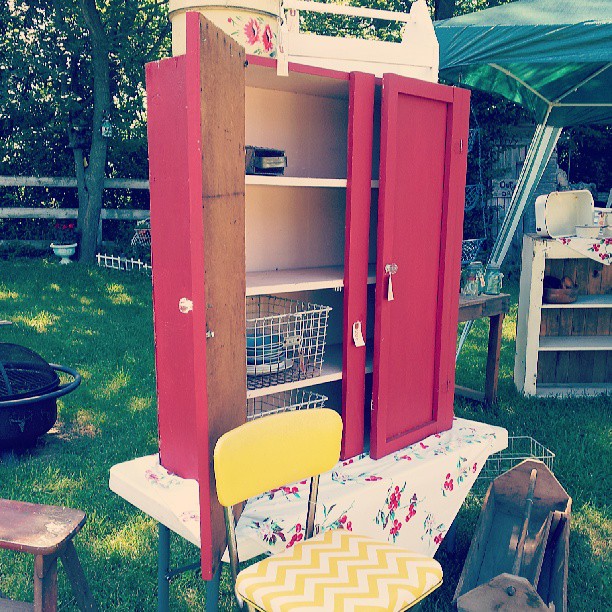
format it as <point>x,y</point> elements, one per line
<point>89,215</point>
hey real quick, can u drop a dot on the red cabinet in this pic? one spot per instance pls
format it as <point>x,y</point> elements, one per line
<point>375,178</point>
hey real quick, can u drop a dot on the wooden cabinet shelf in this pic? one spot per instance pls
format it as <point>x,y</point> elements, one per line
<point>303,279</point>
<point>576,343</point>
<point>294,181</point>
<point>563,349</point>
<point>567,390</point>
<point>330,372</point>
<point>586,301</point>
<point>298,181</point>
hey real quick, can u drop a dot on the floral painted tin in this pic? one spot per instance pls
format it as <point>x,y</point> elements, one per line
<point>252,23</point>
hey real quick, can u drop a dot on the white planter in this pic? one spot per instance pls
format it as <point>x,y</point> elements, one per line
<point>64,251</point>
<point>253,23</point>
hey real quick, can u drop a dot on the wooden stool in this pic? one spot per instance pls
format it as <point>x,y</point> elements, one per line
<point>45,532</point>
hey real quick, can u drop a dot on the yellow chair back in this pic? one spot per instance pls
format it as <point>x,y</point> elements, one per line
<point>276,450</point>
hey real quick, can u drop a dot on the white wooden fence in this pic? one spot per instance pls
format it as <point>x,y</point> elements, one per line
<point>127,214</point>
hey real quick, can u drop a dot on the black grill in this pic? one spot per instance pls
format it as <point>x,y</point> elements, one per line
<point>29,387</point>
<point>24,373</point>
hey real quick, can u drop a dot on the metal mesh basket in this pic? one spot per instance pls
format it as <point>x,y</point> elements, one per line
<point>141,237</point>
<point>285,340</point>
<point>519,449</point>
<point>470,249</point>
<point>295,399</point>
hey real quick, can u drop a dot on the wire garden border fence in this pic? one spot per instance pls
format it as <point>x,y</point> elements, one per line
<point>122,263</point>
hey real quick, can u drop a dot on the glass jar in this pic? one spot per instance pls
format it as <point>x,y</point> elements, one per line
<point>472,279</point>
<point>493,280</point>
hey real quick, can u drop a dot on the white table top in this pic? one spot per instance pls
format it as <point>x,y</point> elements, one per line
<point>409,497</point>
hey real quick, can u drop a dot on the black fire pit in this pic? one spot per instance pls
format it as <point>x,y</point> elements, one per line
<point>29,388</point>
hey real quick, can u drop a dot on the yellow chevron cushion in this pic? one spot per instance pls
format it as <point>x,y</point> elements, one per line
<point>340,571</point>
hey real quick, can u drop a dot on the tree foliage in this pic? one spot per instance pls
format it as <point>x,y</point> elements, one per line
<point>46,82</point>
<point>65,67</point>
<point>50,120</point>
<point>585,153</point>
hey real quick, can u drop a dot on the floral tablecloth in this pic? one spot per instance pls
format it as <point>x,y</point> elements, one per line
<point>599,249</point>
<point>410,497</point>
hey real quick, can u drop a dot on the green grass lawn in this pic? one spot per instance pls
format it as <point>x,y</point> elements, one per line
<point>100,322</point>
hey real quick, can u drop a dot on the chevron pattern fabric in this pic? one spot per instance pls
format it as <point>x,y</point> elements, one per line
<point>340,571</point>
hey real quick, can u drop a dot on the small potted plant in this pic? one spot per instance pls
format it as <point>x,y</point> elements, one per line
<point>66,241</point>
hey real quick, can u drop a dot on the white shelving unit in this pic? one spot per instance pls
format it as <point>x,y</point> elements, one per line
<point>563,349</point>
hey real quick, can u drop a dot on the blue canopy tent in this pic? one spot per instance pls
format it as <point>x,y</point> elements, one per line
<point>554,58</point>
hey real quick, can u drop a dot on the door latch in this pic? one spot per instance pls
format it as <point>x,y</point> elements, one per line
<point>358,334</point>
<point>390,269</point>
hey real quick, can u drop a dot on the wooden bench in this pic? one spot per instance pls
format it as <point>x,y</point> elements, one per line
<point>45,532</point>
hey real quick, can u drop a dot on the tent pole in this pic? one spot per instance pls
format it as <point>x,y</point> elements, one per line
<point>540,151</point>
<point>539,154</point>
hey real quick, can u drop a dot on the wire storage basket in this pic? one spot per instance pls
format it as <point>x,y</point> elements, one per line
<point>294,399</point>
<point>519,449</point>
<point>470,249</point>
<point>285,340</point>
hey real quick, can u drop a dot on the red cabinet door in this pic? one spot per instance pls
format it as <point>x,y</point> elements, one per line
<point>420,216</point>
<point>196,170</point>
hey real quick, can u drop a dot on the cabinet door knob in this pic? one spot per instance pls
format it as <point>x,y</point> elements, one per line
<point>390,269</point>
<point>185,305</point>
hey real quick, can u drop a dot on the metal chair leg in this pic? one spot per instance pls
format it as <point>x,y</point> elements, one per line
<point>212,591</point>
<point>163,567</point>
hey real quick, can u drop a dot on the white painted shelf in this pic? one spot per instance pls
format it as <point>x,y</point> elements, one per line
<point>586,301</point>
<point>572,390</point>
<point>576,343</point>
<point>298,181</point>
<point>305,279</point>
<point>294,181</point>
<point>331,371</point>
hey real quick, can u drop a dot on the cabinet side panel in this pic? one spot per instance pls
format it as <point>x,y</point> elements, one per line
<point>222,83</point>
<point>453,200</point>
<point>358,195</point>
<point>172,273</point>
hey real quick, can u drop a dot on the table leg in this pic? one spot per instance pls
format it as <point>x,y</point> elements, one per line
<point>493,351</point>
<point>212,591</point>
<point>451,538</point>
<point>163,567</point>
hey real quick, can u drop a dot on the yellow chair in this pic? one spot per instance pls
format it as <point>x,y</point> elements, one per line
<point>333,571</point>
